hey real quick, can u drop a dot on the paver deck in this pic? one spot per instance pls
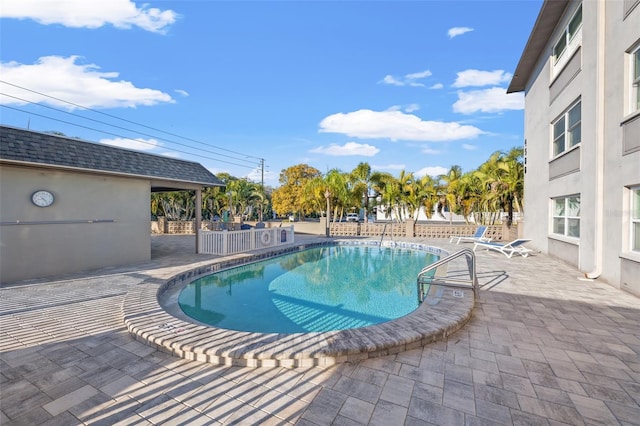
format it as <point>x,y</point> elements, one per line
<point>543,347</point>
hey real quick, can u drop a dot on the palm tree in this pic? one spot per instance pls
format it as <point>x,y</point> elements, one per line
<point>514,181</point>
<point>426,194</point>
<point>360,179</point>
<point>450,196</point>
<point>337,183</point>
<point>246,196</point>
<point>385,187</point>
<point>407,200</point>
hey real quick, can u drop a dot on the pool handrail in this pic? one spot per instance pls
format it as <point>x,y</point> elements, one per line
<point>447,281</point>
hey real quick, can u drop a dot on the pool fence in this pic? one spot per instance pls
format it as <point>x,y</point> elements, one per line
<point>230,242</point>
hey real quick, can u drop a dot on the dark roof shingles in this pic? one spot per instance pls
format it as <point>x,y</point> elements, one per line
<point>40,148</point>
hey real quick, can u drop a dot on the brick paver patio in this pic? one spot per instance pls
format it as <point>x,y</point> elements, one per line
<point>543,347</point>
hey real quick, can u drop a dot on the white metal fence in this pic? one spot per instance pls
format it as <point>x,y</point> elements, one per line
<point>230,242</point>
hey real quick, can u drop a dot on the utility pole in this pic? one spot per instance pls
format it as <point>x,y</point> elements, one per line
<point>262,186</point>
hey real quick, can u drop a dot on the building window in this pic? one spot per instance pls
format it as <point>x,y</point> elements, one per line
<point>568,40</point>
<point>567,131</point>
<point>635,219</point>
<point>635,80</point>
<point>566,216</point>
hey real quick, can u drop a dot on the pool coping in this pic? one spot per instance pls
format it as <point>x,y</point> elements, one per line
<point>151,323</point>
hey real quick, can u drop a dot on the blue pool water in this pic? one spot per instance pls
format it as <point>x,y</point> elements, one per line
<point>318,289</point>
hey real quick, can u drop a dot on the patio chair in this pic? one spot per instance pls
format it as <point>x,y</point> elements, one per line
<point>515,246</point>
<point>477,237</point>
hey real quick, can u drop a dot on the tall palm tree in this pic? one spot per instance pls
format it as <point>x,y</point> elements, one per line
<point>451,183</point>
<point>385,187</point>
<point>407,201</point>
<point>337,183</point>
<point>426,194</point>
<point>360,179</point>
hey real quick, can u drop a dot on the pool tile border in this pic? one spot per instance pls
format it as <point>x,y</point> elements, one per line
<point>149,322</point>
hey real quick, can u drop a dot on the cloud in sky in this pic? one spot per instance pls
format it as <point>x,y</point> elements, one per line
<point>407,80</point>
<point>456,31</point>
<point>478,78</point>
<point>437,86</point>
<point>255,175</point>
<point>182,92</point>
<point>121,14</point>
<point>430,151</point>
<point>490,100</point>
<point>431,171</point>
<point>469,147</point>
<point>389,167</point>
<point>136,144</point>
<point>349,148</point>
<point>395,125</point>
<point>80,84</point>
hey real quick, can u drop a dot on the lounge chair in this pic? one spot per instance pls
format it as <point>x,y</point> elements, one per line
<point>477,237</point>
<point>515,246</point>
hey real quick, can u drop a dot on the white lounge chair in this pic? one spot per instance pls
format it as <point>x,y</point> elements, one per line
<point>477,237</point>
<point>515,246</point>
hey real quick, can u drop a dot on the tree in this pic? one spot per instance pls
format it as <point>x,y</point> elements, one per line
<point>360,179</point>
<point>385,188</point>
<point>245,195</point>
<point>426,194</point>
<point>450,197</point>
<point>289,197</point>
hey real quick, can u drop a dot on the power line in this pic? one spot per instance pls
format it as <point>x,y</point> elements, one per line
<point>128,121</point>
<point>122,128</point>
<point>120,136</point>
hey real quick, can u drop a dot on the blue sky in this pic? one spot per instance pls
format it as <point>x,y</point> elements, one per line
<point>403,85</point>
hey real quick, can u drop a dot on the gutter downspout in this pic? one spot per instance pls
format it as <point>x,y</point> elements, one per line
<point>600,121</point>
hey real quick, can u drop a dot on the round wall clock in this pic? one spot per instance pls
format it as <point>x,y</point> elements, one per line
<point>42,198</point>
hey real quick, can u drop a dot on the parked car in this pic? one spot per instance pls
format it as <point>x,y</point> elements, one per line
<point>353,217</point>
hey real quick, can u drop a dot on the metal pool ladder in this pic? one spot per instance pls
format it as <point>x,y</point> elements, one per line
<point>440,275</point>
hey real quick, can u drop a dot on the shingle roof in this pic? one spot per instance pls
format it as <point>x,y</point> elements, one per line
<point>26,146</point>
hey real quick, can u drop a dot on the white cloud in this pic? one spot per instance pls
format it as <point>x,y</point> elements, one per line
<point>182,92</point>
<point>437,86</point>
<point>469,147</point>
<point>121,14</point>
<point>136,144</point>
<point>495,99</point>
<point>411,108</point>
<point>395,125</point>
<point>430,151</point>
<point>389,167</point>
<point>418,75</point>
<point>456,31</point>
<point>389,79</point>
<point>349,148</point>
<point>481,78</point>
<point>256,176</point>
<point>84,85</point>
<point>407,79</point>
<point>431,171</point>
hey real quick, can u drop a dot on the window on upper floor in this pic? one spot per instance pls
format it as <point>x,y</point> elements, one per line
<point>635,219</point>
<point>635,80</point>
<point>566,216</point>
<point>567,131</point>
<point>568,42</point>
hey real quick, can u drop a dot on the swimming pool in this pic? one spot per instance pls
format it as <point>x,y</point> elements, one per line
<point>320,289</point>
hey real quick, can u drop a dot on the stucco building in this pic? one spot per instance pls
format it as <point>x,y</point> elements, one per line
<point>580,72</point>
<point>68,205</point>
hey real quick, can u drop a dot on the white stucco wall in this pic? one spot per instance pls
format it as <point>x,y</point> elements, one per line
<point>605,171</point>
<point>50,247</point>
